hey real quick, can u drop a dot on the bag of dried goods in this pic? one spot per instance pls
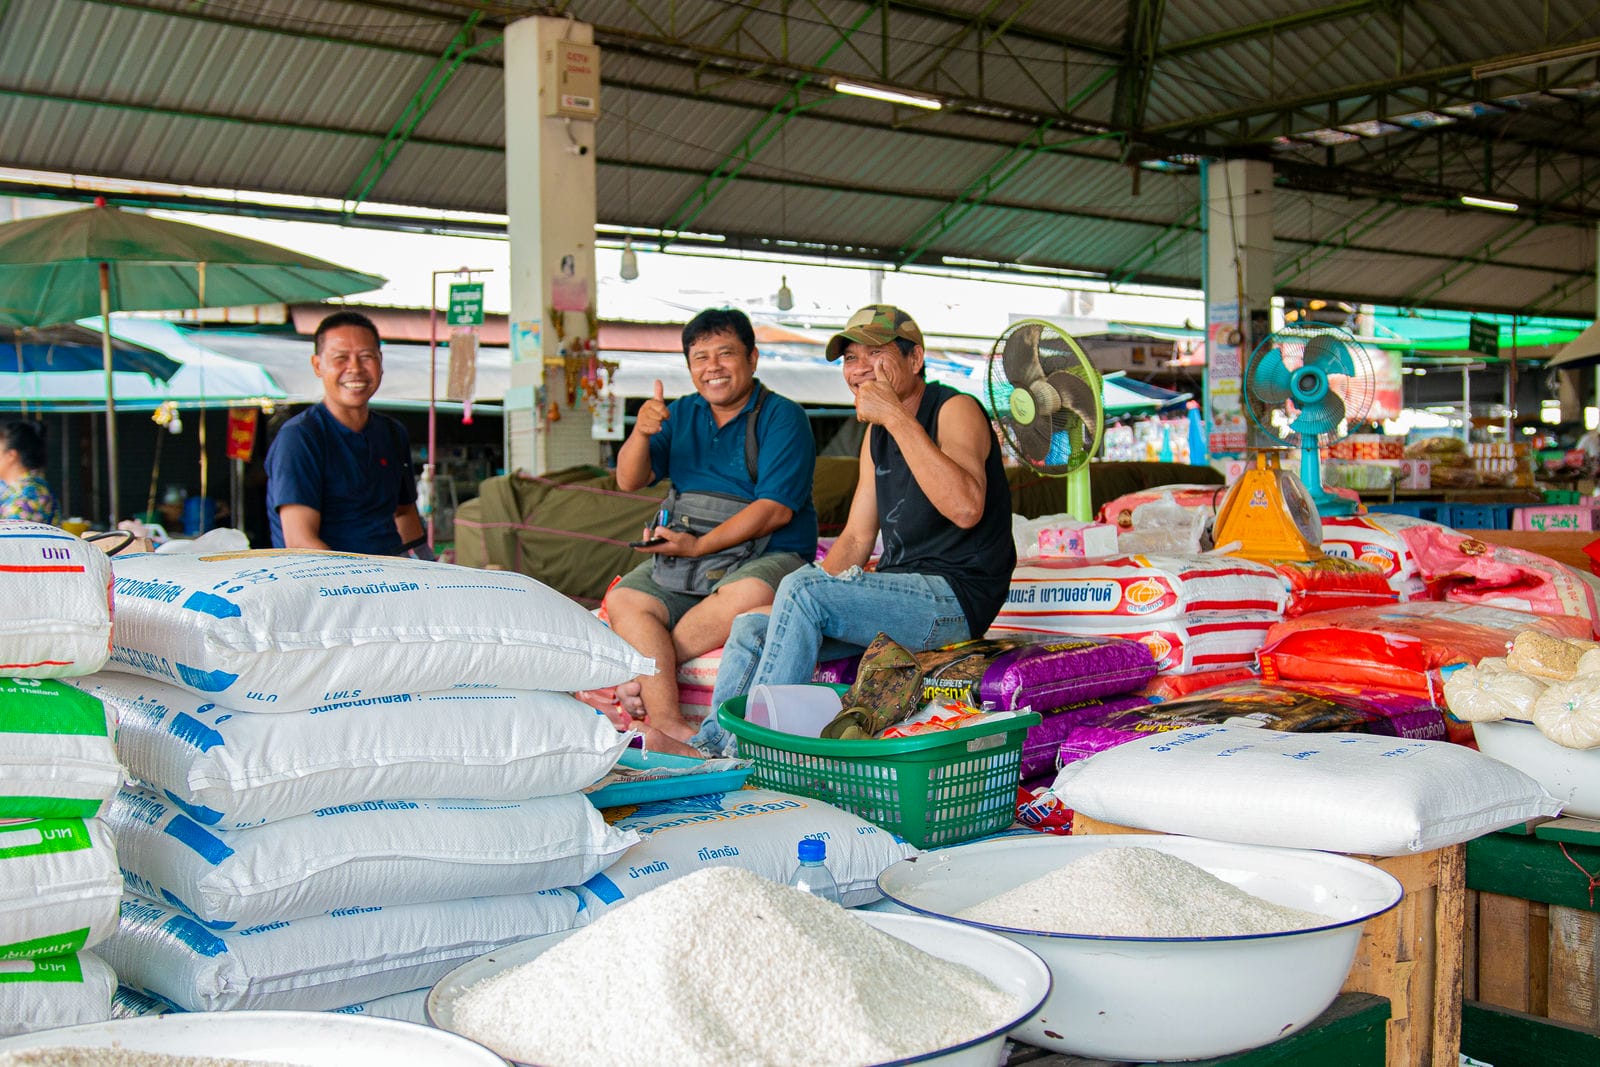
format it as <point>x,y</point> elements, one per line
<point>1568,713</point>
<point>754,829</point>
<point>233,770</point>
<point>1553,659</point>
<point>54,991</point>
<point>1399,647</point>
<point>322,962</point>
<point>57,620</point>
<point>1339,792</point>
<point>1172,686</point>
<point>1042,673</point>
<point>59,887</point>
<point>1045,594</point>
<point>1329,582</point>
<point>1469,571</point>
<point>374,852</point>
<point>287,631</point>
<point>57,751</point>
<point>1042,742</point>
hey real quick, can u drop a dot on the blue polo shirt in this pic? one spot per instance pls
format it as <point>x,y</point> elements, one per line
<point>700,456</point>
<point>356,480</point>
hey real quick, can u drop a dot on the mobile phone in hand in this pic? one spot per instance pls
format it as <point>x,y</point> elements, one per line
<point>651,543</point>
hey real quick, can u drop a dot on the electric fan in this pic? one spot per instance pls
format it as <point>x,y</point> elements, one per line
<point>1302,384</point>
<point>1045,396</point>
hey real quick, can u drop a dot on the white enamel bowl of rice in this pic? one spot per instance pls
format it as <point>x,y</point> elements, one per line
<point>1127,998</point>
<point>1571,775</point>
<point>1009,965</point>
<point>304,1038</point>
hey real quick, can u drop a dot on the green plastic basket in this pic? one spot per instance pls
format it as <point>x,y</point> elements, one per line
<point>1562,496</point>
<point>934,789</point>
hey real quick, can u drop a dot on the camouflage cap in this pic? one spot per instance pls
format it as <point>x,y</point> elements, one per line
<point>875,324</point>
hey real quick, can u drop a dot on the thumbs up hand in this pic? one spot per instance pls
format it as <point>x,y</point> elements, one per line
<point>653,414</point>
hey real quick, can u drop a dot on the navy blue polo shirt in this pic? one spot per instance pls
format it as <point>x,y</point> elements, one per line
<point>702,457</point>
<point>356,480</point>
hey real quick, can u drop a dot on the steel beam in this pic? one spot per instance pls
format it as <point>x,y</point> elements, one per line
<point>1141,37</point>
<point>458,51</point>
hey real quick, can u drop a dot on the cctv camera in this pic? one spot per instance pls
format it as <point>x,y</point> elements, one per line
<point>578,149</point>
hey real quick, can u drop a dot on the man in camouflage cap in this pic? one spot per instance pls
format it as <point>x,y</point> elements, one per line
<point>932,483</point>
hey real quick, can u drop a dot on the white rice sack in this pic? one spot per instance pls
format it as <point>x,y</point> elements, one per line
<point>757,830</point>
<point>57,592</point>
<point>1359,793</point>
<point>1206,642</point>
<point>1129,590</point>
<point>233,770</point>
<point>1568,713</point>
<point>372,852</point>
<point>59,886</point>
<point>1477,694</point>
<point>410,1007</point>
<point>322,962</point>
<point>42,994</point>
<point>57,752</point>
<point>287,631</point>
<point>131,1004</point>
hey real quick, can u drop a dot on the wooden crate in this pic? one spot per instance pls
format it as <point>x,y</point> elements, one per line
<point>1411,954</point>
<point>1533,933</point>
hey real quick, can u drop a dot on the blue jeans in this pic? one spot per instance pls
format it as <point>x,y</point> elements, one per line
<point>816,613</point>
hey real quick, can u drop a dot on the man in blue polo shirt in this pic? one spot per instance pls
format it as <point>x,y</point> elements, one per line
<point>700,442</point>
<point>339,474</point>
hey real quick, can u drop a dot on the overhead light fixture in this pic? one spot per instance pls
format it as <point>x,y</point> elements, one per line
<point>884,93</point>
<point>1492,205</point>
<point>1543,58</point>
<point>785,297</point>
<point>630,261</point>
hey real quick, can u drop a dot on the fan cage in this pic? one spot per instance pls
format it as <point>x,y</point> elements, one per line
<point>1058,352</point>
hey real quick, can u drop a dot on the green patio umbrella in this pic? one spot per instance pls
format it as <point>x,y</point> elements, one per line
<point>60,268</point>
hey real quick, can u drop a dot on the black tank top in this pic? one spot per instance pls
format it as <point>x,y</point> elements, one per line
<point>918,539</point>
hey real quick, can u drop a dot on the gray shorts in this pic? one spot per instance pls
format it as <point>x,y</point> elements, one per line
<point>770,568</point>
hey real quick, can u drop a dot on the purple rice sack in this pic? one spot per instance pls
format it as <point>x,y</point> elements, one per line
<point>1041,672</point>
<point>1042,742</point>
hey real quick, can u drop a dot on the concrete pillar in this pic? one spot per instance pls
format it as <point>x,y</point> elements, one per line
<point>1238,287</point>
<point>550,198</point>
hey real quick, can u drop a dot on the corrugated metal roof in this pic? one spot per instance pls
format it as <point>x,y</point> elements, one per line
<point>297,96</point>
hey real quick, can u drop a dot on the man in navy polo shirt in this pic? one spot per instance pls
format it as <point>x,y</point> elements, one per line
<point>699,442</point>
<point>339,474</point>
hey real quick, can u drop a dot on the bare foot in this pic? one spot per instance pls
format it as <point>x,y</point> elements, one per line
<point>630,697</point>
<point>657,741</point>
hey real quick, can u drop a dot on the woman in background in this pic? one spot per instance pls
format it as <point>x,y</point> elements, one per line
<point>24,494</point>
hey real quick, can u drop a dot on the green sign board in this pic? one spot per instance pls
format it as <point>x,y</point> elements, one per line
<point>1483,337</point>
<point>466,305</point>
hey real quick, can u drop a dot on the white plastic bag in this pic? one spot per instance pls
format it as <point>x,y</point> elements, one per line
<point>287,631</point>
<point>322,962</point>
<point>1474,694</point>
<point>57,756</point>
<point>59,886</point>
<point>1336,792</point>
<point>53,991</point>
<point>382,852</point>
<point>57,617</point>
<point>1165,526</point>
<point>233,770</point>
<point>755,829</point>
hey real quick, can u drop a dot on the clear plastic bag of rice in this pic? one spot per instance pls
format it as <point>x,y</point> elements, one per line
<point>1568,713</point>
<point>1474,694</point>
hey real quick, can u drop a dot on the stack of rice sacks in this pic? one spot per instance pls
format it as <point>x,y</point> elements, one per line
<point>59,884</point>
<point>296,727</point>
<point>1195,613</point>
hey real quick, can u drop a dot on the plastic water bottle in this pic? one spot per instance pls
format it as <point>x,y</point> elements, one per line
<point>812,875</point>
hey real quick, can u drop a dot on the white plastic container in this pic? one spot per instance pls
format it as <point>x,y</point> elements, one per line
<point>802,710</point>
<point>1013,968</point>
<point>304,1038</point>
<point>1571,775</point>
<point>1123,998</point>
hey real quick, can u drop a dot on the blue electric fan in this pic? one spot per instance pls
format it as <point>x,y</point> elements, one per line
<point>1311,383</point>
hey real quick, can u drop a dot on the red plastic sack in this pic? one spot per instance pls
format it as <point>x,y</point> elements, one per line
<point>1173,686</point>
<point>1329,582</point>
<point>1398,647</point>
<point>1468,571</point>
